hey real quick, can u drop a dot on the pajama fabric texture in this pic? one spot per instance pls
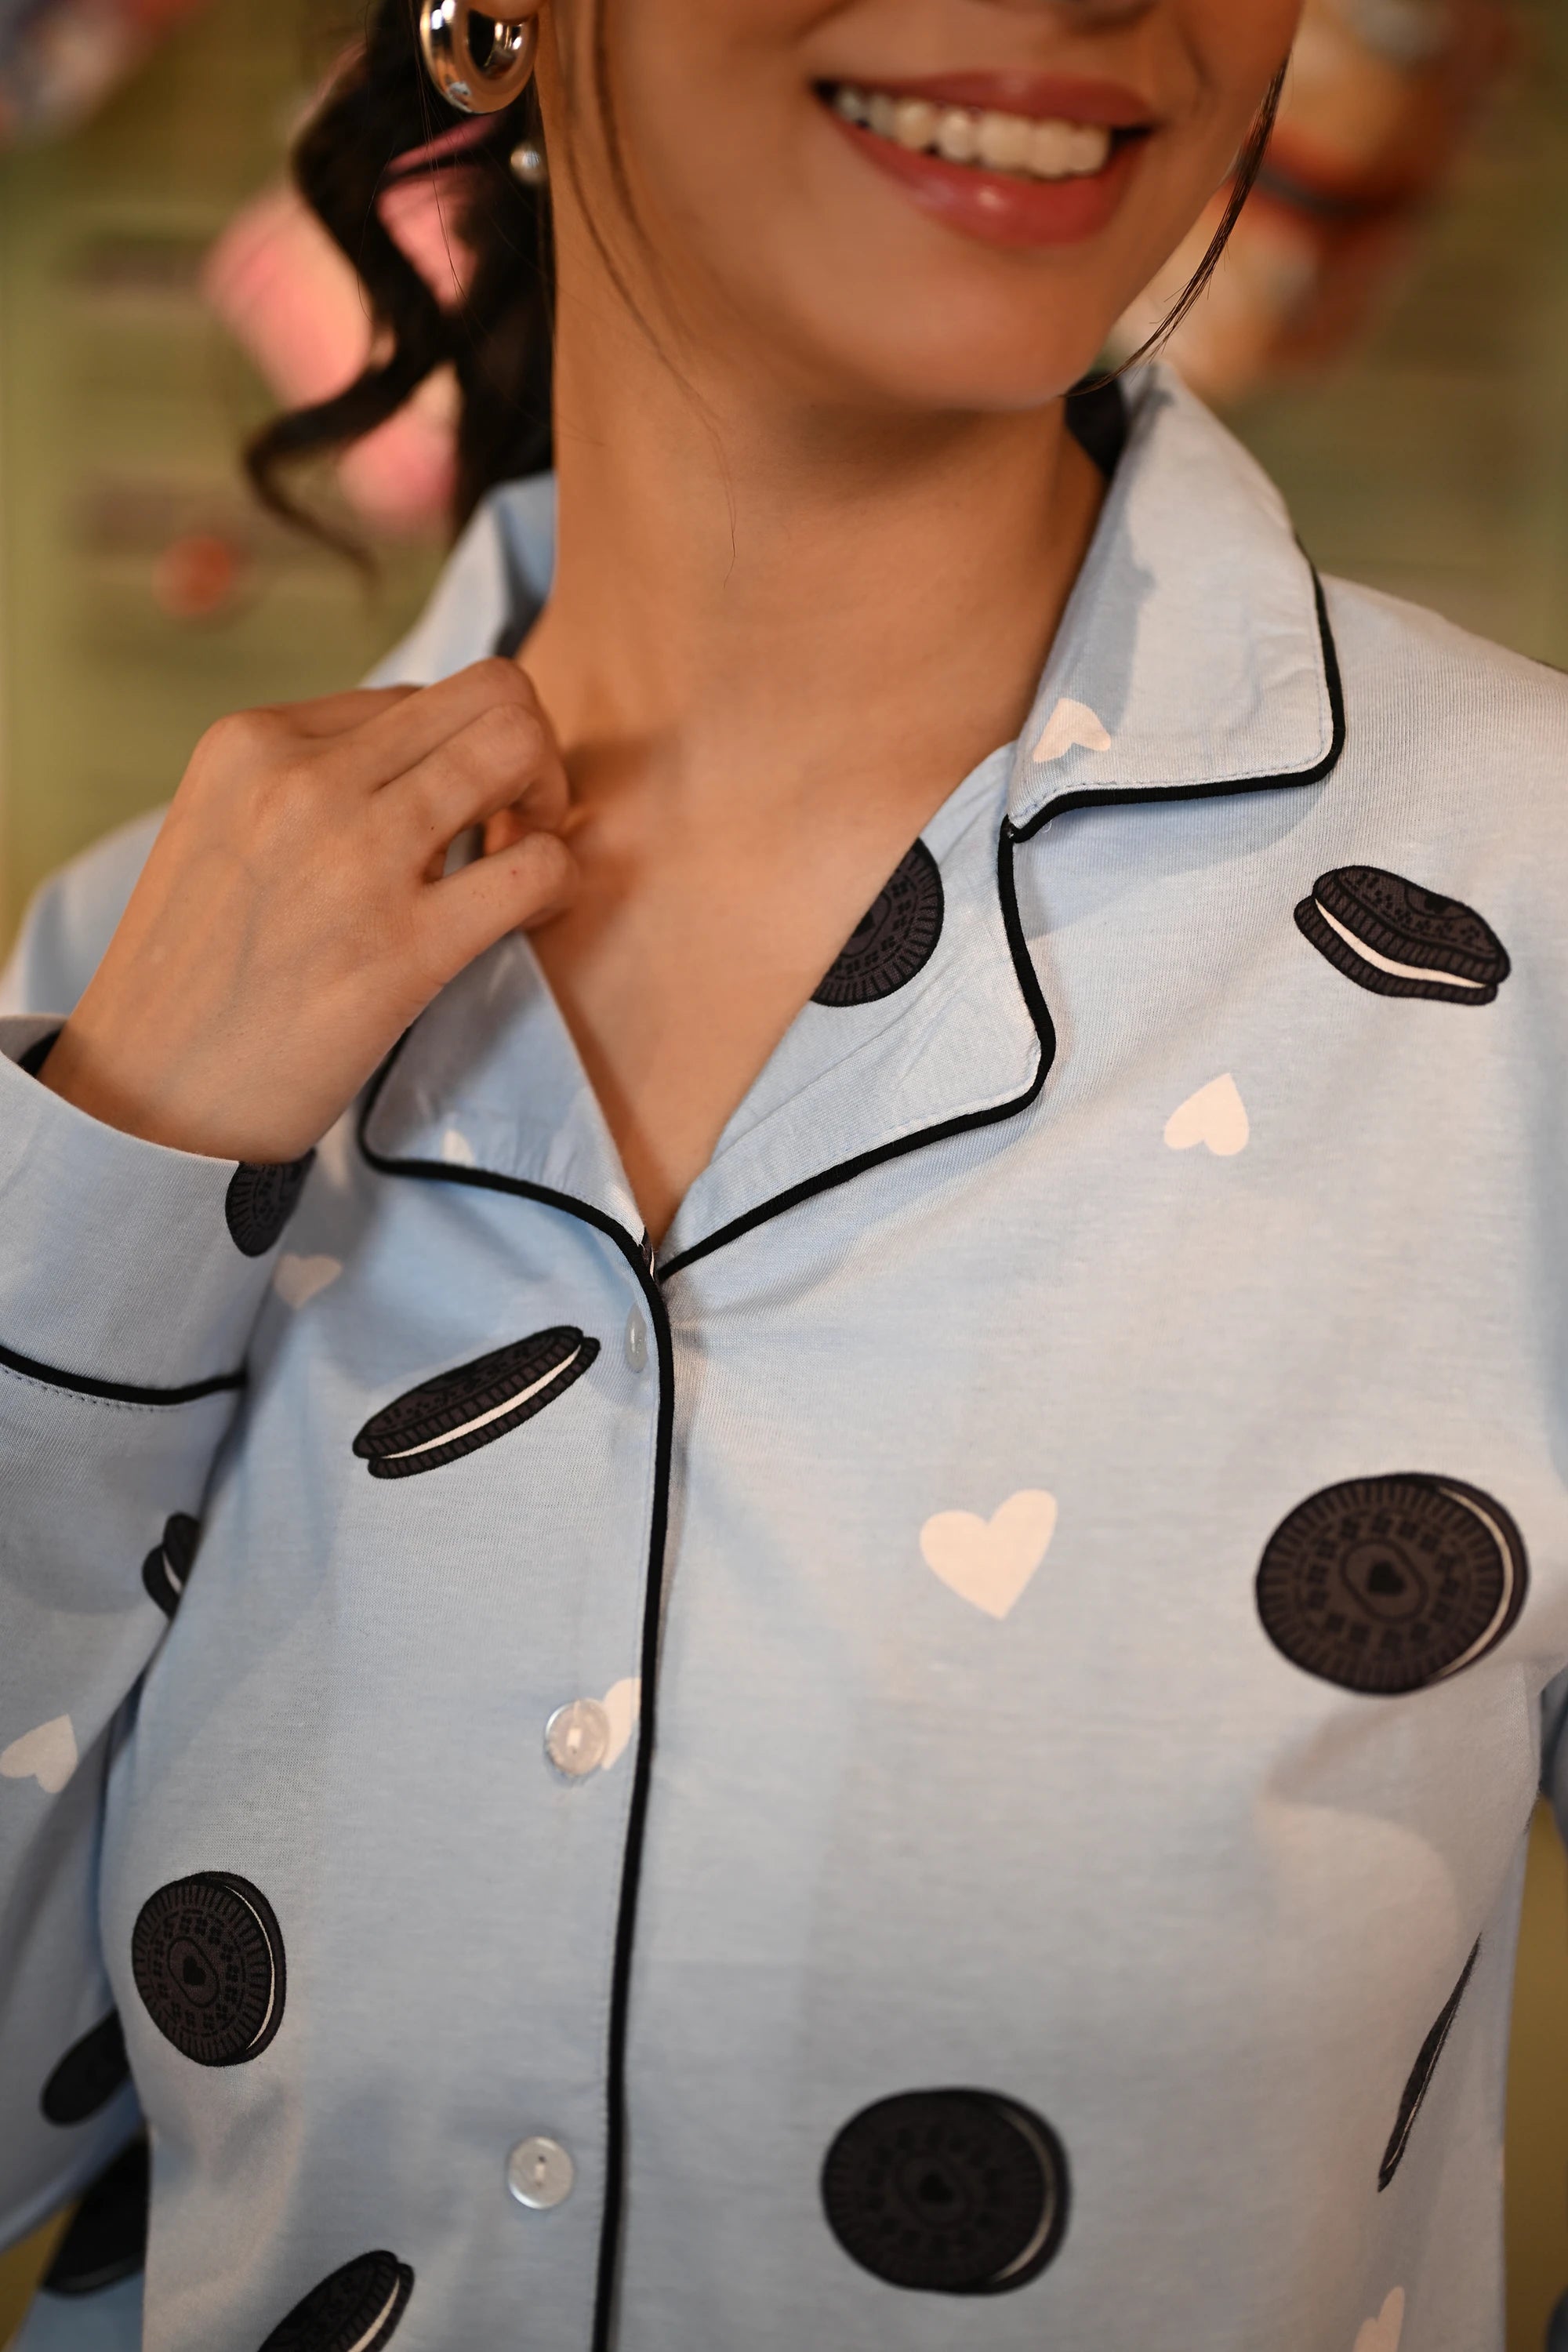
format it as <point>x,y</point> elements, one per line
<point>941,1767</point>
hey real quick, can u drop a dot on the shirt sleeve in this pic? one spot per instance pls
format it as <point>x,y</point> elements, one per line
<point>130,1279</point>
<point>130,1276</point>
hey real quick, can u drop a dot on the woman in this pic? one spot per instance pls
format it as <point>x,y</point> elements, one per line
<point>858,1662</point>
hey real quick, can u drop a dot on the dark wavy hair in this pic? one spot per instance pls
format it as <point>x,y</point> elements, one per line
<point>377,115</point>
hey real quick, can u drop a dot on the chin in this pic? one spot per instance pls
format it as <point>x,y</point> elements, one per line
<point>977,381</point>
<point>950,356</point>
<point>910,316</point>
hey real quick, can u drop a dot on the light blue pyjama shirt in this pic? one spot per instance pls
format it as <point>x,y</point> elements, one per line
<point>941,1768</point>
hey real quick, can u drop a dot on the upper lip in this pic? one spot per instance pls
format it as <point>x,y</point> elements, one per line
<point>1043,97</point>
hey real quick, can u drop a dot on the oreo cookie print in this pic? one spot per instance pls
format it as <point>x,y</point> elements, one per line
<point>1389,1584</point>
<point>357,2309</point>
<point>261,1200</point>
<point>206,1954</point>
<point>894,939</point>
<point>168,1564</point>
<point>475,1403</point>
<point>89,2075</point>
<point>1395,938</point>
<point>948,2192</point>
<point>1421,2074</point>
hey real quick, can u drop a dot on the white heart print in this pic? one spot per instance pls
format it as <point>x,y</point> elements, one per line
<point>622,1704</point>
<point>990,1562</point>
<point>1383,2333</point>
<point>300,1280</point>
<point>1215,1116</point>
<point>47,1754</point>
<point>1072,726</point>
<point>456,1151</point>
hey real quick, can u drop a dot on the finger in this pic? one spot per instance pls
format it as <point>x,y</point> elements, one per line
<point>338,714</point>
<point>504,758</point>
<point>393,740</point>
<point>517,888</point>
<point>521,817</point>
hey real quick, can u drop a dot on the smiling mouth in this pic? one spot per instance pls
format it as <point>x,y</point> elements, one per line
<point>982,139</point>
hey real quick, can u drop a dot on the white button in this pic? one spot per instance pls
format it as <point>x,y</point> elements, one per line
<point>637,1341</point>
<point>577,1738</point>
<point>539,2174</point>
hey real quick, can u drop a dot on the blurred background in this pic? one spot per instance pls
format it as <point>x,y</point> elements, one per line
<point>1389,334</point>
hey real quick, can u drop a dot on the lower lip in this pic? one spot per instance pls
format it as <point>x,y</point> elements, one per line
<point>996,207</point>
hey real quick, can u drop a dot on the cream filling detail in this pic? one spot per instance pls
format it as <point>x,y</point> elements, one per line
<point>272,1957</point>
<point>373,2336</point>
<point>483,1420</point>
<point>988,141</point>
<point>1505,1553</point>
<point>1386,963</point>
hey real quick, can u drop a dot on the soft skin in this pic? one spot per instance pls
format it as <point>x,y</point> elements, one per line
<point>819,518</point>
<point>788,262</point>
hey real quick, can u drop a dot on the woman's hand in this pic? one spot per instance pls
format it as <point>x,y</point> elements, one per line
<point>294,918</point>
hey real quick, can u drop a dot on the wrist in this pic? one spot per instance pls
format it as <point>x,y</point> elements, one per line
<point>164,1108</point>
<point>81,1076</point>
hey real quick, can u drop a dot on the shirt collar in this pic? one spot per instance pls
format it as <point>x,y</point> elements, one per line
<point>1195,658</point>
<point>1195,654</point>
<point>487,1087</point>
<point>488,1084</point>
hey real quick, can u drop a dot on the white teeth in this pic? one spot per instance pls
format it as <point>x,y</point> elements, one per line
<point>1091,147</point>
<point>1005,142</point>
<point>999,142</point>
<point>958,135</point>
<point>1052,146</point>
<point>914,124</point>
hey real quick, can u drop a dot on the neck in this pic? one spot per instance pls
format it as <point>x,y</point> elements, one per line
<point>754,585</point>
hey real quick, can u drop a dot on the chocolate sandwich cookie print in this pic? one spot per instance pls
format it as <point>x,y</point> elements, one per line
<point>1395,938</point>
<point>106,2240</point>
<point>1386,1585</point>
<point>87,2076</point>
<point>168,1564</point>
<point>948,2192</point>
<point>1421,2074</point>
<point>460,1411</point>
<point>261,1199</point>
<point>206,1954</point>
<point>894,939</point>
<point>357,2309</point>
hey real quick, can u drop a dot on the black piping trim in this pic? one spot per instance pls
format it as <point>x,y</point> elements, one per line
<point>117,1392</point>
<point>632,1249</point>
<point>1110,796</point>
<point>1123,795</point>
<point>830,1177</point>
<point>438,1171</point>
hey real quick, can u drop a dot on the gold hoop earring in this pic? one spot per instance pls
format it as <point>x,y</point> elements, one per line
<point>449,60</point>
